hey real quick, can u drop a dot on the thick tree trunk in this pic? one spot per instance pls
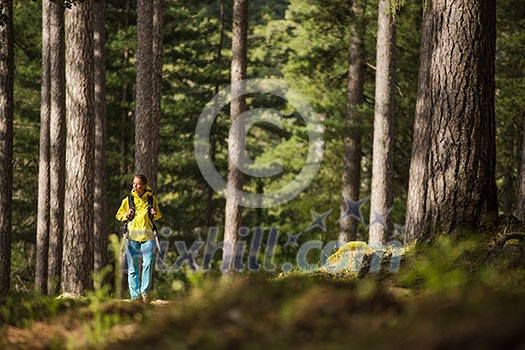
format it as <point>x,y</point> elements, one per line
<point>232,221</point>
<point>42,226</point>
<point>452,175</point>
<point>145,127</point>
<point>100,232</point>
<point>57,153</point>
<point>78,229</point>
<point>418,174</point>
<point>382,167</point>
<point>520,212</point>
<point>352,139</point>
<point>6,143</point>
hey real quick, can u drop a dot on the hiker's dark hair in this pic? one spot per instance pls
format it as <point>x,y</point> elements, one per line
<point>142,178</point>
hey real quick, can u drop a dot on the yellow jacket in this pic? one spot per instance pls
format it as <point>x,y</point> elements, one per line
<point>140,228</point>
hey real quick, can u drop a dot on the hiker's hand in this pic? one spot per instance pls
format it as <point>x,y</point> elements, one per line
<point>153,211</point>
<point>129,213</point>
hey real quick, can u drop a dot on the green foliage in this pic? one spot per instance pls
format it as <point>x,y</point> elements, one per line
<point>22,309</point>
<point>303,42</point>
<point>26,122</point>
<point>445,292</point>
<point>438,268</point>
<point>97,328</point>
<point>510,94</point>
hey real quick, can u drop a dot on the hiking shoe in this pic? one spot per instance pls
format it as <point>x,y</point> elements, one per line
<point>145,298</point>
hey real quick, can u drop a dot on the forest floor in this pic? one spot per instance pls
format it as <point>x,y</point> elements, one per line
<point>447,295</point>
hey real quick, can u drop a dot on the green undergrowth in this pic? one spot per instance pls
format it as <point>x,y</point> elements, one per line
<point>449,293</point>
<point>21,310</point>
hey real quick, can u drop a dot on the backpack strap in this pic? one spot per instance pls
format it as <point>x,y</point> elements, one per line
<point>131,204</point>
<point>150,215</point>
<point>124,228</point>
<point>150,206</point>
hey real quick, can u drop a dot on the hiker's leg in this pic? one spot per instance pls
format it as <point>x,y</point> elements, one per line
<point>148,253</point>
<point>132,258</point>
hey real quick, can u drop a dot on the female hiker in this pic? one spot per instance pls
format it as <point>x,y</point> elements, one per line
<point>139,210</point>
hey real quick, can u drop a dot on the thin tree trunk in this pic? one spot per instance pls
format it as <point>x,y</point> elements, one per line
<point>213,142</point>
<point>382,167</point>
<point>127,130</point>
<point>157,41</point>
<point>57,143</point>
<point>454,175</point>
<point>232,221</point>
<point>42,227</point>
<point>78,229</point>
<point>507,192</point>
<point>126,167</point>
<point>100,208</point>
<point>352,139</point>
<point>520,212</point>
<point>6,142</point>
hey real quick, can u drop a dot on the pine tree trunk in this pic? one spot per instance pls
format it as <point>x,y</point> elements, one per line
<point>382,167</point>
<point>213,142</point>
<point>100,232</point>
<point>352,139</point>
<point>520,212</point>
<point>57,143</point>
<point>418,174</point>
<point>157,42</point>
<point>126,118</point>
<point>77,263</point>
<point>126,164</point>
<point>144,124</point>
<point>42,227</point>
<point>6,143</point>
<point>452,175</point>
<point>232,221</point>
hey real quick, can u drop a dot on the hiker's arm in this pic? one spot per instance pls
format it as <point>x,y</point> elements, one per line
<point>122,213</point>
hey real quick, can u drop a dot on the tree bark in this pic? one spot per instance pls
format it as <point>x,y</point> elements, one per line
<point>126,166</point>
<point>57,145</point>
<point>157,42</point>
<point>452,175</point>
<point>77,263</point>
<point>145,127</point>
<point>418,173</point>
<point>213,142</point>
<point>42,227</point>
<point>6,143</point>
<point>352,138</point>
<point>380,229</point>
<point>100,232</point>
<point>520,212</point>
<point>232,221</point>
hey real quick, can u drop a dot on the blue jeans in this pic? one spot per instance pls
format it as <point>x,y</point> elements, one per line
<point>147,249</point>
